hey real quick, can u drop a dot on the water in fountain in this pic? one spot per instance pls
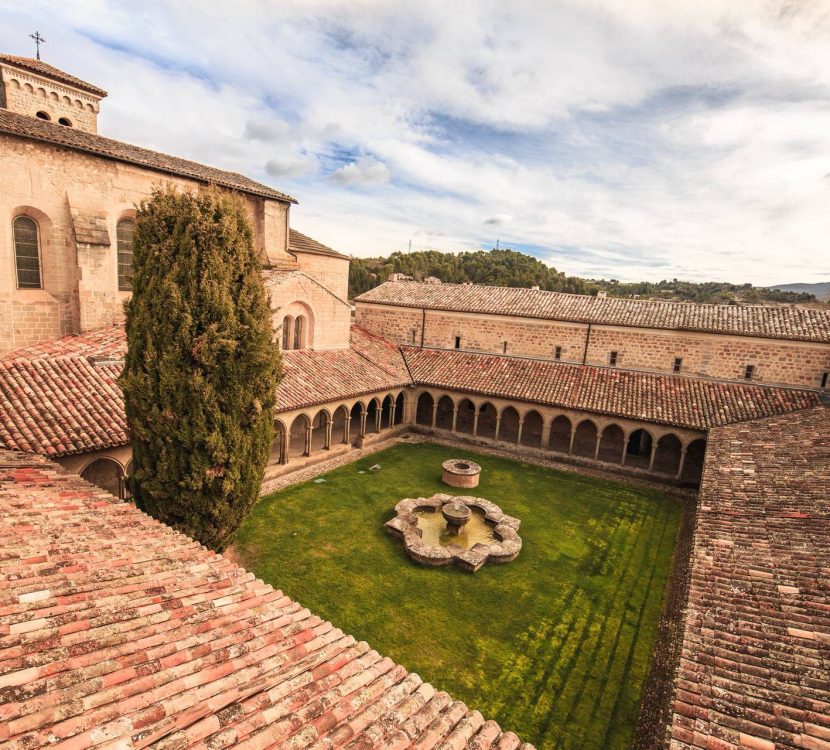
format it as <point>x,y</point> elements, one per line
<point>435,530</point>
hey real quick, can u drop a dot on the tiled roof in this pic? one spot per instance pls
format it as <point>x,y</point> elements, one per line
<point>776,322</point>
<point>33,128</point>
<point>666,399</point>
<point>300,243</point>
<point>754,670</point>
<point>41,68</point>
<point>118,632</point>
<point>102,343</point>
<point>370,364</point>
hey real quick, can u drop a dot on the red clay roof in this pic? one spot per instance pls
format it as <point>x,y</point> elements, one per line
<point>41,68</point>
<point>777,322</point>
<point>370,364</point>
<point>116,631</point>
<point>666,399</point>
<point>33,128</point>
<point>755,665</point>
<point>300,243</point>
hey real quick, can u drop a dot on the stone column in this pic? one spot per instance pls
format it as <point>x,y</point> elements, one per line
<point>596,447</point>
<point>498,426</point>
<point>286,445</point>
<point>571,444</point>
<point>329,425</point>
<point>434,413</point>
<point>363,416</point>
<point>346,426</point>
<point>682,462</point>
<point>624,451</point>
<point>308,432</point>
<point>392,414</point>
<point>454,417</point>
<point>545,435</point>
<point>519,435</point>
<point>653,453</point>
<point>378,413</point>
<point>475,424</point>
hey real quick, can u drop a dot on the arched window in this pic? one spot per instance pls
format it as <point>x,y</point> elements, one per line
<point>65,121</point>
<point>287,324</point>
<point>27,253</point>
<point>125,231</point>
<point>299,332</point>
<point>43,115</point>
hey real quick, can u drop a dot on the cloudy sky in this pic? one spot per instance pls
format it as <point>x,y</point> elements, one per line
<point>636,139</point>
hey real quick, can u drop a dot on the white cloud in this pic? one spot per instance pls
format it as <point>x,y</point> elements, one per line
<point>365,171</point>
<point>633,139</point>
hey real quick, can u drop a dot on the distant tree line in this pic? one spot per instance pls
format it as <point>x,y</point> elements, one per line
<point>504,267</point>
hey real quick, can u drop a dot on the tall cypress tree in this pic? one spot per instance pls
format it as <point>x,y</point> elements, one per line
<point>201,369</point>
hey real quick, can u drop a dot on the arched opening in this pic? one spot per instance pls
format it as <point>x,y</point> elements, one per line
<point>27,252</point>
<point>443,415</point>
<point>611,444</point>
<point>466,418</point>
<point>509,425</point>
<point>532,429</point>
<point>65,121</point>
<point>372,424</point>
<point>319,429</point>
<point>124,233</point>
<point>43,115</point>
<point>423,409</point>
<point>106,474</point>
<point>386,413</point>
<point>585,439</point>
<point>638,450</point>
<point>487,421</point>
<point>298,432</point>
<point>128,472</point>
<point>299,332</point>
<point>356,422</point>
<point>400,404</point>
<point>560,435</point>
<point>287,330</point>
<point>667,455</point>
<point>277,444</point>
<point>693,464</point>
<point>339,429</point>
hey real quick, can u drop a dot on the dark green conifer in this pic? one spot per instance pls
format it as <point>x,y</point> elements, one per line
<point>201,370</point>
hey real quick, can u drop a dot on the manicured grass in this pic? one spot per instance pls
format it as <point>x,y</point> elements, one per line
<point>554,645</point>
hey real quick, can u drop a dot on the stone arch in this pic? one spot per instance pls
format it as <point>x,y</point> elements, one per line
<point>319,430</point>
<point>560,434</point>
<point>356,422</point>
<point>297,436</point>
<point>667,454</point>
<point>340,428</point>
<point>444,413</point>
<point>465,420</point>
<point>585,439</point>
<point>612,444</point>
<point>423,409</point>
<point>105,472</point>
<point>487,416</point>
<point>509,425</point>
<point>532,429</point>
<point>302,333</point>
<point>693,462</point>
<point>278,444</point>
<point>638,448</point>
<point>386,412</point>
<point>372,416</point>
<point>400,406</point>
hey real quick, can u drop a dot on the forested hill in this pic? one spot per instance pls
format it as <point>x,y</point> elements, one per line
<point>512,268</point>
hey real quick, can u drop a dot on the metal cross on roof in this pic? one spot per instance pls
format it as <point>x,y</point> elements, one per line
<point>38,41</point>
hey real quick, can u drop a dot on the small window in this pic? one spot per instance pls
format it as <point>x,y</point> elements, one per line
<point>824,379</point>
<point>65,121</point>
<point>557,353</point>
<point>27,253</point>
<point>678,364</point>
<point>412,334</point>
<point>458,342</point>
<point>125,233</point>
<point>43,115</point>
<point>299,332</point>
<point>504,348</point>
<point>749,372</point>
<point>287,324</point>
<point>612,360</point>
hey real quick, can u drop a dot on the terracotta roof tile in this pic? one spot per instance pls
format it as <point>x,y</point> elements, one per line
<point>755,664</point>
<point>777,322</point>
<point>116,631</point>
<point>33,128</point>
<point>50,71</point>
<point>666,399</point>
<point>300,243</point>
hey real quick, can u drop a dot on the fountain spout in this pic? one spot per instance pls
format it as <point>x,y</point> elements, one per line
<point>456,514</point>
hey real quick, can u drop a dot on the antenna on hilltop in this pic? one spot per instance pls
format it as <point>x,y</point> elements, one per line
<point>38,41</point>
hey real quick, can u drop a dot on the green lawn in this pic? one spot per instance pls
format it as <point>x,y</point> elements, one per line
<point>554,645</point>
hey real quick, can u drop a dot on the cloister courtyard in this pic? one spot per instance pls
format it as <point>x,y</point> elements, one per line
<point>556,645</point>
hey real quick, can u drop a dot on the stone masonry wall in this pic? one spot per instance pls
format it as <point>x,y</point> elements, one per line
<point>330,271</point>
<point>703,354</point>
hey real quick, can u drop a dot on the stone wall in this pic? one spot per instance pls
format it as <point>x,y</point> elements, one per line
<point>79,272</point>
<point>775,361</point>
<point>332,272</point>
